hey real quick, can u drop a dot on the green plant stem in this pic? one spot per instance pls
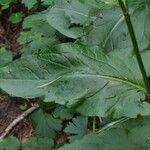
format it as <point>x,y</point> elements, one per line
<point>135,45</point>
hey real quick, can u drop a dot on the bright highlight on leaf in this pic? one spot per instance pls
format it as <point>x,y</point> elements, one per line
<point>16,17</point>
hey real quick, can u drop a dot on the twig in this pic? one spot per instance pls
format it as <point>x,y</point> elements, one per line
<point>18,120</point>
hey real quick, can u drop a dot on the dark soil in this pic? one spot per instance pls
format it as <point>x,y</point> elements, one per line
<point>9,107</point>
<point>9,110</point>
<point>9,32</point>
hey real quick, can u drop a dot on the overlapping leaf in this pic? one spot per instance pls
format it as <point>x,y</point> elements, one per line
<point>77,129</point>
<point>38,144</point>
<point>63,113</point>
<point>110,30</point>
<point>85,79</point>
<point>125,137</point>
<point>37,34</point>
<point>46,126</point>
<point>69,17</point>
<point>104,26</point>
<point>30,3</point>
<point>5,57</point>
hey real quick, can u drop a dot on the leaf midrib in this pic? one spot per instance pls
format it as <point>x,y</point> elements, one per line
<point>128,82</point>
<point>117,79</point>
<point>110,78</point>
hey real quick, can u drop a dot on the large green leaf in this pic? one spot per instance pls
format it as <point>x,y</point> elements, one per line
<point>88,80</point>
<point>100,4</point>
<point>69,17</point>
<point>110,30</point>
<point>104,26</point>
<point>124,137</point>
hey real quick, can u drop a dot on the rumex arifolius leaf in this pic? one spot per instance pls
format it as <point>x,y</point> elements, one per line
<point>85,79</point>
<point>101,22</point>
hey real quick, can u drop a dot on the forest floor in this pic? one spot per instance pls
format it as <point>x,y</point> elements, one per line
<point>10,106</point>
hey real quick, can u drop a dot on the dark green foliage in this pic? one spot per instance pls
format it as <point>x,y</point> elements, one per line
<point>78,59</point>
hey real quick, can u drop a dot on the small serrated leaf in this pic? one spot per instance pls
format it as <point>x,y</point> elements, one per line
<point>38,144</point>
<point>77,128</point>
<point>5,57</point>
<point>10,143</point>
<point>63,113</point>
<point>16,17</point>
<point>29,3</point>
<point>126,136</point>
<point>46,126</point>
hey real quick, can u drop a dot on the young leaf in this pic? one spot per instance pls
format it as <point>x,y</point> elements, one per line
<point>62,113</point>
<point>5,57</point>
<point>77,129</point>
<point>5,2</point>
<point>30,3</point>
<point>37,34</point>
<point>88,80</point>
<point>46,126</point>
<point>10,143</point>
<point>16,17</point>
<point>38,144</point>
